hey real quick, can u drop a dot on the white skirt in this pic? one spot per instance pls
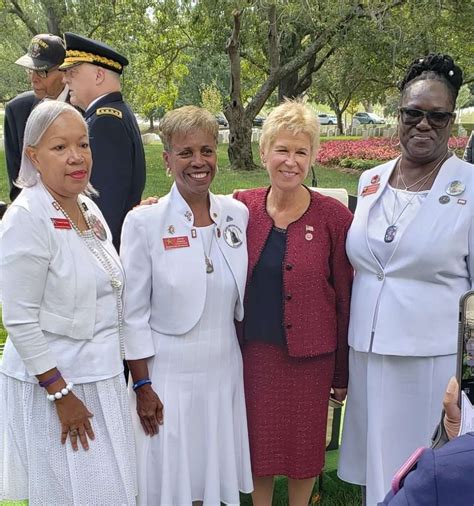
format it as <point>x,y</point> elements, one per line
<point>393,406</point>
<point>201,452</point>
<point>35,466</point>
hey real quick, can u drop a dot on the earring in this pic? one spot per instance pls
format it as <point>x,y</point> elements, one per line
<point>168,171</point>
<point>392,138</point>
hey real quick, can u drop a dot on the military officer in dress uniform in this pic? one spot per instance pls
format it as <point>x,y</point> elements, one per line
<point>92,71</point>
<point>45,53</point>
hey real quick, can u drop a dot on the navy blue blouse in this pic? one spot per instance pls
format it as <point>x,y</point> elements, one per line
<point>264,298</point>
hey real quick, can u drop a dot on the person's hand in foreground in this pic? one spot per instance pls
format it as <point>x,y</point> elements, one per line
<point>452,417</point>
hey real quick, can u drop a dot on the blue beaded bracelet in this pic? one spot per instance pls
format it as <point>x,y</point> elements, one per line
<point>141,382</point>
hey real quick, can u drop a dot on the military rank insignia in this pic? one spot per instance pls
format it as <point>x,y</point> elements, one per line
<point>101,111</point>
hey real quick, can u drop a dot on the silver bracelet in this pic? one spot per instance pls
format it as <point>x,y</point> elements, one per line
<point>59,395</point>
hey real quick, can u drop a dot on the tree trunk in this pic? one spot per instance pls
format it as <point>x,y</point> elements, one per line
<point>240,140</point>
<point>152,123</point>
<point>340,124</point>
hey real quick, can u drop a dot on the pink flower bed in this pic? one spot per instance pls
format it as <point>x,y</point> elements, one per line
<point>373,148</point>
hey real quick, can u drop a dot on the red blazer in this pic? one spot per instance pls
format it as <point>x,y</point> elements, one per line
<point>317,275</point>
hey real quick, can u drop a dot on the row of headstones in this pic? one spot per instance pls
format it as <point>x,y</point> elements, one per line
<point>326,131</point>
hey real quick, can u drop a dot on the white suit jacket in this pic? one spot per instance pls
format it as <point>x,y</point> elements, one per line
<point>165,289</point>
<point>410,306</point>
<point>48,279</point>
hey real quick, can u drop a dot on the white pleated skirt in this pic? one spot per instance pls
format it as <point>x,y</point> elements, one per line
<point>393,406</point>
<point>201,452</point>
<point>35,466</point>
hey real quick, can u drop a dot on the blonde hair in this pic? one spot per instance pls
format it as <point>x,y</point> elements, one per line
<point>185,120</point>
<point>292,115</point>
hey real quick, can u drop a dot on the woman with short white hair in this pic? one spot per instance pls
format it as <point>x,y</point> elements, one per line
<point>64,413</point>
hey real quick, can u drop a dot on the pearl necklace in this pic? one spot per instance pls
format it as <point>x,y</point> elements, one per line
<point>103,258</point>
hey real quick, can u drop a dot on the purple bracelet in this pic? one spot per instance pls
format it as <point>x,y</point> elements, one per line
<point>50,381</point>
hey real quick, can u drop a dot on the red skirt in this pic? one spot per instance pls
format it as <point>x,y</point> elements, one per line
<point>287,407</point>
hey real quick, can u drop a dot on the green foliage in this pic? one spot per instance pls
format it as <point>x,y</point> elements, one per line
<point>211,98</point>
<point>359,164</point>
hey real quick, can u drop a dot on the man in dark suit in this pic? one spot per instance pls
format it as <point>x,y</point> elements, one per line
<point>45,53</point>
<point>92,71</point>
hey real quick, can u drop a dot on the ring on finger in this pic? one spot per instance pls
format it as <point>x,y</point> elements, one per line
<point>73,432</point>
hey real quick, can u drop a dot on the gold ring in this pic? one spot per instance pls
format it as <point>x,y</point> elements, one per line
<point>73,432</point>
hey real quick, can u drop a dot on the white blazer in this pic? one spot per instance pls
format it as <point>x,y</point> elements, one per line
<point>165,289</point>
<point>47,276</point>
<point>410,306</point>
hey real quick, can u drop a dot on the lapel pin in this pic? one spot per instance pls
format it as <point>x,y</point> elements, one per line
<point>369,189</point>
<point>309,228</point>
<point>171,229</point>
<point>233,236</point>
<point>462,202</point>
<point>97,227</point>
<point>375,179</point>
<point>188,215</point>
<point>229,218</point>
<point>219,233</point>
<point>308,236</point>
<point>455,188</point>
<point>444,199</point>
<point>214,215</point>
<point>193,233</point>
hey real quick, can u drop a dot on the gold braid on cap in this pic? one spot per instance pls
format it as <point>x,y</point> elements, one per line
<point>82,56</point>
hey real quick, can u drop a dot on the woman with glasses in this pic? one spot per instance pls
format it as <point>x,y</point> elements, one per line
<point>410,244</point>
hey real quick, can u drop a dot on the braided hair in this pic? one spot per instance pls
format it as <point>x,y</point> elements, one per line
<point>439,67</point>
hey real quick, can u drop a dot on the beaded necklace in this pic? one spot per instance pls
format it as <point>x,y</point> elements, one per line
<point>103,258</point>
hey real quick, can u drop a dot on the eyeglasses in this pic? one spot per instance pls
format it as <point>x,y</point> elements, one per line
<point>42,74</point>
<point>437,119</point>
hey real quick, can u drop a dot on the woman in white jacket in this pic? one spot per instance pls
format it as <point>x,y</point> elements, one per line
<point>64,414</point>
<point>185,262</point>
<point>411,244</point>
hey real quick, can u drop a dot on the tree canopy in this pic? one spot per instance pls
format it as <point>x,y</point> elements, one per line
<point>249,52</point>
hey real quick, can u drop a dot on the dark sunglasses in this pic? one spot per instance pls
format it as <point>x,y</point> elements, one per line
<point>437,119</point>
<point>43,74</point>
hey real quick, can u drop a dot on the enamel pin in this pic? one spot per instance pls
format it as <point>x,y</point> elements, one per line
<point>193,233</point>
<point>462,202</point>
<point>369,189</point>
<point>455,188</point>
<point>176,242</point>
<point>308,236</point>
<point>444,199</point>
<point>375,179</point>
<point>229,218</point>
<point>188,215</point>
<point>171,229</point>
<point>61,223</point>
<point>233,236</point>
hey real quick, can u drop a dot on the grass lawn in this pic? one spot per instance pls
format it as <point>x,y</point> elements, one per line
<point>335,492</point>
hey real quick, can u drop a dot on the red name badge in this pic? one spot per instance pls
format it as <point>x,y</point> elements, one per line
<point>369,189</point>
<point>62,223</point>
<point>176,242</point>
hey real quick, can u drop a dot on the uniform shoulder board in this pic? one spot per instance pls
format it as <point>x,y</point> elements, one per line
<point>110,111</point>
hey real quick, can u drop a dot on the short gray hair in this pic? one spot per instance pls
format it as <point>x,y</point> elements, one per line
<point>40,119</point>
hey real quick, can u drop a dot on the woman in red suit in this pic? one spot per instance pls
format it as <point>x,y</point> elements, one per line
<point>296,311</point>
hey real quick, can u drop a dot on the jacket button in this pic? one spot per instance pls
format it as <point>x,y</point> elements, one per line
<point>288,296</point>
<point>288,267</point>
<point>289,325</point>
<point>380,276</point>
